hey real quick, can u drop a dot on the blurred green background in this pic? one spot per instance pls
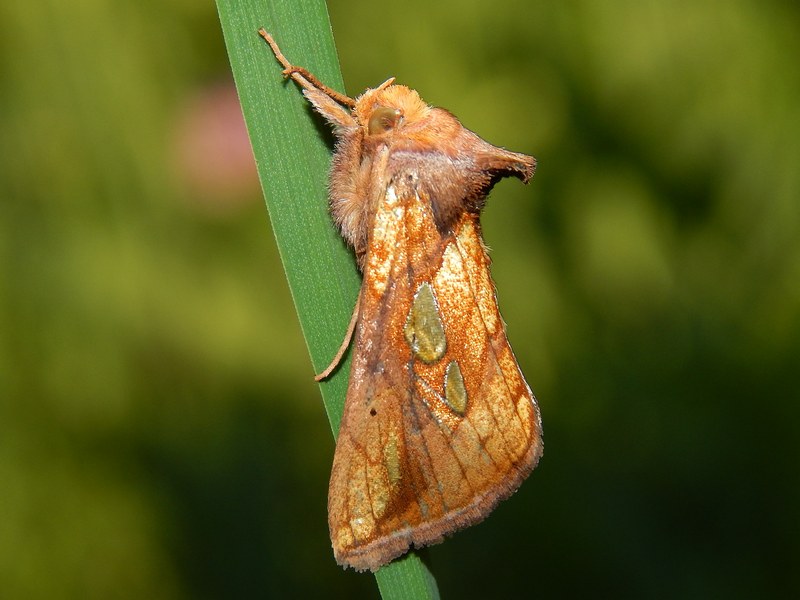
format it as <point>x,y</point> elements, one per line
<point>160,432</point>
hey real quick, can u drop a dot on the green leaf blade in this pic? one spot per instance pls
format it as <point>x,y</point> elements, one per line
<point>293,157</point>
<point>292,152</point>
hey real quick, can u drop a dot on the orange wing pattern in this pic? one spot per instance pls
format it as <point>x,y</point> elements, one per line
<point>439,424</point>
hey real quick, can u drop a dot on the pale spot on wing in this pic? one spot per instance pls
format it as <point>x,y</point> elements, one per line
<point>451,276</point>
<point>388,221</point>
<point>470,245</point>
<point>344,537</point>
<point>358,504</point>
<point>391,457</point>
<point>481,419</point>
<point>362,527</point>
<point>424,331</point>
<point>378,490</point>
<point>455,393</point>
<point>418,218</point>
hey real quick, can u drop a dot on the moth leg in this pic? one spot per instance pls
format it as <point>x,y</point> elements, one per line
<point>345,343</point>
<point>302,76</point>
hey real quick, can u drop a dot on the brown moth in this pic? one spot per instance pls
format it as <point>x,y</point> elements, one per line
<point>439,424</point>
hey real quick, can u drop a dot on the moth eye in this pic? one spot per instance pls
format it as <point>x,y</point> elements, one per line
<point>384,119</point>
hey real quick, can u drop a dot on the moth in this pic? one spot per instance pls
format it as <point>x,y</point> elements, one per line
<point>439,424</point>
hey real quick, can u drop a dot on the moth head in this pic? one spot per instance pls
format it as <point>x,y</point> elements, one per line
<point>389,107</point>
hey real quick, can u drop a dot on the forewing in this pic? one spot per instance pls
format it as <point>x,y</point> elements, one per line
<point>439,424</point>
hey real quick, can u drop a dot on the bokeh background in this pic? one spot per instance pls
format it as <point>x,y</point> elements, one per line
<point>160,433</point>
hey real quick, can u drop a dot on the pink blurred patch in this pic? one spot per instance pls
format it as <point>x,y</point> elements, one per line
<point>213,158</point>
